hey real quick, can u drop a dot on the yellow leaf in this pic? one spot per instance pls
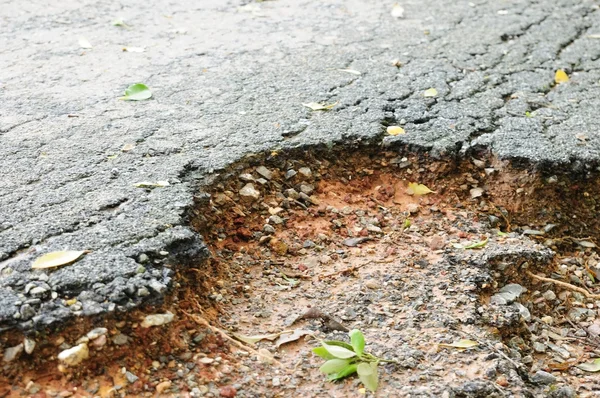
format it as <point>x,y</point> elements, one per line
<point>315,106</point>
<point>418,189</point>
<point>430,93</point>
<point>84,43</point>
<point>561,76</point>
<point>127,147</point>
<point>463,344</point>
<point>395,130</point>
<point>56,259</point>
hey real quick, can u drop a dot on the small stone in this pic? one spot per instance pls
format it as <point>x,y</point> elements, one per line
<point>437,243</point>
<point>372,284</point>
<point>248,192</point>
<point>307,189</point>
<point>268,229</point>
<point>412,208</point>
<point>264,172</point>
<point>247,177</point>
<point>523,311</point>
<point>262,181</point>
<point>38,291</point>
<point>548,320</point>
<point>373,228</point>
<point>120,339</point>
<point>157,319</point>
<point>502,381</point>
<point>275,210</point>
<point>539,347</point>
<point>27,312</point>
<point>143,292</point>
<point>95,333</point>
<point>290,174</point>
<point>265,356</point>
<point>163,386</point>
<point>543,378</point>
<point>305,172</point>
<point>563,392</point>
<point>476,192</point>
<point>12,353</point>
<point>75,355</point>
<point>594,329</point>
<point>228,392</point>
<point>292,193</point>
<point>275,219</point>
<point>549,295</point>
<point>131,378</point>
<point>143,258</point>
<point>99,342</point>
<point>276,381</point>
<point>278,246</point>
<point>308,244</point>
<point>157,286</point>
<point>29,345</point>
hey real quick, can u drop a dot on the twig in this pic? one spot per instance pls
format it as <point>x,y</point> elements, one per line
<point>201,321</point>
<point>355,267</point>
<point>565,285</point>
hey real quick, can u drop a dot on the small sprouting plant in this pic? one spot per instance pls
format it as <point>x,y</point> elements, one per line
<point>343,360</point>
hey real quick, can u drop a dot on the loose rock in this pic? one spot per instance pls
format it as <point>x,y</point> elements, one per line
<point>75,355</point>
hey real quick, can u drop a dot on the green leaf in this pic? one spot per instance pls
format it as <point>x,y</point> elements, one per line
<point>340,344</point>
<point>358,341</point>
<point>322,352</point>
<point>347,371</point>
<point>339,352</point>
<point>137,92</point>
<point>367,373</point>
<point>463,344</point>
<point>119,22</point>
<point>334,365</point>
<point>477,245</point>
<point>593,366</point>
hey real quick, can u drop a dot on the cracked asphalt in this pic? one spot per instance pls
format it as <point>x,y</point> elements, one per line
<point>228,80</point>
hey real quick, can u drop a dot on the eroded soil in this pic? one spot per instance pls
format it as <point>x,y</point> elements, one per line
<point>347,238</point>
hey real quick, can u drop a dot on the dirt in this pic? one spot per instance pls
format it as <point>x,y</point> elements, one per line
<point>410,271</point>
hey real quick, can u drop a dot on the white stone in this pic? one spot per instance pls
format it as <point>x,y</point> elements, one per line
<point>11,353</point>
<point>95,333</point>
<point>29,345</point>
<point>74,355</point>
<point>157,319</point>
<point>249,192</point>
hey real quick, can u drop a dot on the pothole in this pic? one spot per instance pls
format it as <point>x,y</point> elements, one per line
<point>336,240</point>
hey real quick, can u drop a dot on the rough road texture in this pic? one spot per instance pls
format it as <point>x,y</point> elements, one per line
<point>229,78</point>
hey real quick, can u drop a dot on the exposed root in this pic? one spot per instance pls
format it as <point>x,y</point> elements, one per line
<point>565,285</point>
<point>201,321</point>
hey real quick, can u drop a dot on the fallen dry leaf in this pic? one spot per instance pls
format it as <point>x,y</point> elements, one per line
<point>395,130</point>
<point>461,344</point>
<point>430,93</point>
<point>418,189</point>
<point>56,259</point>
<point>561,76</point>
<point>289,337</point>
<point>315,106</point>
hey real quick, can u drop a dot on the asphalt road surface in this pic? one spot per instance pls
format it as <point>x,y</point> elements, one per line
<point>229,79</point>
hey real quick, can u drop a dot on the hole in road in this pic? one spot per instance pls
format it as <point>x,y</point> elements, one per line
<point>336,240</point>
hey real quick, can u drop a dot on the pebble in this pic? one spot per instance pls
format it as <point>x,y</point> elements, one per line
<point>29,345</point>
<point>264,172</point>
<point>120,339</point>
<point>95,333</point>
<point>228,391</point>
<point>305,171</point>
<point>246,177</point>
<point>290,174</point>
<point>74,355</point>
<point>539,347</point>
<point>437,243</point>
<point>307,189</point>
<point>543,378</point>
<point>563,392</point>
<point>12,353</point>
<point>292,193</point>
<point>163,386</point>
<point>549,295</point>
<point>412,208</point>
<point>249,192</point>
<point>275,219</point>
<point>206,360</point>
<point>99,342</point>
<point>157,319</point>
<point>131,378</point>
<point>276,381</point>
<point>372,284</point>
<point>594,329</point>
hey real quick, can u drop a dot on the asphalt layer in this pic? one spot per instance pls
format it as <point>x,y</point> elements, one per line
<point>228,80</point>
